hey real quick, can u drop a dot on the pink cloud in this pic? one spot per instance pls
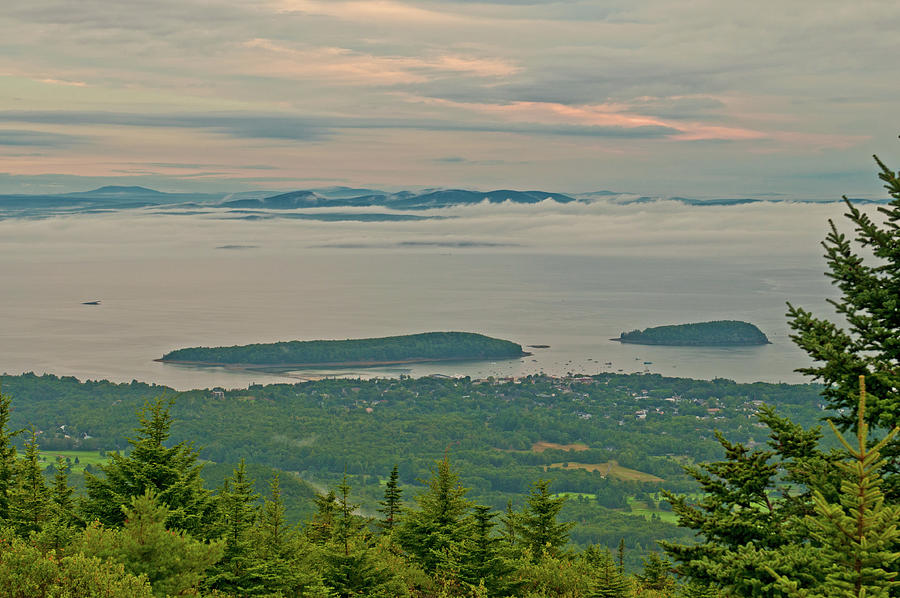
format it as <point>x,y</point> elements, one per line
<point>367,10</point>
<point>62,82</point>
<point>349,67</point>
<point>611,114</point>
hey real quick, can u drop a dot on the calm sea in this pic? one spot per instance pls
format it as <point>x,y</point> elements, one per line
<point>166,282</point>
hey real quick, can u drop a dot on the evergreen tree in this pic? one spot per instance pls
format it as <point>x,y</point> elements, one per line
<point>483,563</point>
<point>436,528</point>
<point>236,572</point>
<point>172,473</point>
<point>655,573</point>
<point>27,571</point>
<point>510,525</point>
<point>284,562</point>
<point>29,508</point>
<point>868,304</point>
<point>7,457</point>
<point>173,561</point>
<point>321,527</point>
<point>857,535</point>
<point>391,506</point>
<point>61,493</point>
<point>538,525</point>
<point>351,568</point>
<point>59,530</point>
<point>620,555</point>
<point>609,580</point>
<point>273,530</point>
<point>748,524</point>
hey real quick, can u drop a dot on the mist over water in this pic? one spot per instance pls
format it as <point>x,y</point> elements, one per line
<point>568,276</point>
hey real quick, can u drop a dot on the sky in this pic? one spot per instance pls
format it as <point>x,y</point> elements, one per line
<point>700,98</point>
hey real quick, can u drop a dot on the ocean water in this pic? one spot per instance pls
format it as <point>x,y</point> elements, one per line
<point>569,278</point>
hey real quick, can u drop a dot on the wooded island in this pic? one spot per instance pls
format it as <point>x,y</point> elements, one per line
<point>717,333</point>
<point>413,348</point>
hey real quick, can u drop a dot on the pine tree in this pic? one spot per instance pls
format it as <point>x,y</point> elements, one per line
<point>620,555</point>
<point>351,567</point>
<point>347,525</point>
<point>391,506</point>
<point>868,304</point>
<point>609,580</point>
<point>59,530</point>
<point>30,504</point>
<point>7,457</point>
<point>61,493</point>
<point>510,525</point>
<point>858,534</point>
<point>321,527</point>
<point>173,561</point>
<point>748,525</point>
<point>482,562</point>
<point>438,526</point>
<point>284,562</point>
<point>540,531</point>
<point>28,571</point>
<point>273,529</point>
<point>655,573</point>
<point>172,473</point>
<point>236,571</point>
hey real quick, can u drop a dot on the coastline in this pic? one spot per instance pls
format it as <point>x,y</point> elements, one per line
<point>631,342</point>
<point>263,366</point>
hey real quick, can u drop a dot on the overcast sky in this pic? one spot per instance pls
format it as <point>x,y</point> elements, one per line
<point>695,97</point>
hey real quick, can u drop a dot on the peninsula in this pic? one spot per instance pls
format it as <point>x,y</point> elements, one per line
<point>413,348</point>
<point>702,334</point>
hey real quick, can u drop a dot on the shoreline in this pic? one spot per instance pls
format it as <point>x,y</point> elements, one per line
<point>262,366</point>
<point>630,342</point>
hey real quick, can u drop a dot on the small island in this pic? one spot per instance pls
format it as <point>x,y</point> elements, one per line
<point>721,333</point>
<point>413,348</point>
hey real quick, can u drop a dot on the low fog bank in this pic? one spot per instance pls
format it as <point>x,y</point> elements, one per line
<point>656,229</point>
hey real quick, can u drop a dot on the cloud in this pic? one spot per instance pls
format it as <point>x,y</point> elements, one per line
<point>308,128</point>
<point>368,10</point>
<point>63,82</point>
<point>20,137</point>
<point>686,89</point>
<point>351,67</point>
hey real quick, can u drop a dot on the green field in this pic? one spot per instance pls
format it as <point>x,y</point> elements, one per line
<point>639,507</point>
<point>611,468</point>
<point>84,458</point>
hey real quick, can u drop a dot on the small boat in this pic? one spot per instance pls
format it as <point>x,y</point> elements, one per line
<point>96,302</point>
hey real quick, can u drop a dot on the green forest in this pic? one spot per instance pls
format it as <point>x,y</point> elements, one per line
<point>614,486</point>
<point>720,332</point>
<point>428,346</point>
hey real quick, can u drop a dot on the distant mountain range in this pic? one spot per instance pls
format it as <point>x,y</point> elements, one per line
<point>259,203</point>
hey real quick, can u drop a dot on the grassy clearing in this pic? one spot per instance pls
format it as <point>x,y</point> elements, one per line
<point>576,495</point>
<point>610,468</point>
<point>84,458</point>
<point>639,507</point>
<point>541,446</point>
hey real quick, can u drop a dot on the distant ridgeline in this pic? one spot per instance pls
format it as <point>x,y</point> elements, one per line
<point>429,346</point>
<point>718,333</point>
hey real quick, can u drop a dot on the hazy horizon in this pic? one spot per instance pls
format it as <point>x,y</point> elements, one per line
<point>650,97</point>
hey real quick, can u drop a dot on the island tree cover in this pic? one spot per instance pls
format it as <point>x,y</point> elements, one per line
<point>720,332</point>
<point>428,346</point>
